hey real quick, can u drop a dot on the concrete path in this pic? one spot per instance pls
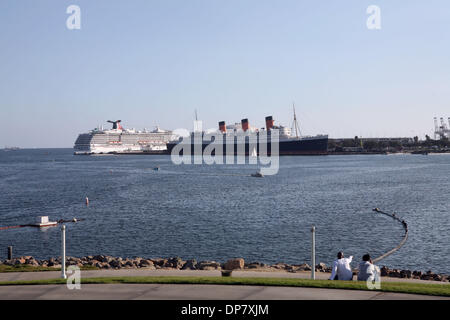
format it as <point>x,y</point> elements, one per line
<point>193,292</point>
<point>178,291</point>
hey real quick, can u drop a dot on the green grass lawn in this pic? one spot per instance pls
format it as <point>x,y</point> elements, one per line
<point>401,287</point>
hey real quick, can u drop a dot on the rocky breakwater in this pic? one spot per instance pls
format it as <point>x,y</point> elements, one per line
<point>176,263</point>
<point>109,262</point>
<point>408,274</point>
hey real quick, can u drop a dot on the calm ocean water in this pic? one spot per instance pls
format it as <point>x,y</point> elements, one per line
<point>219,212</point>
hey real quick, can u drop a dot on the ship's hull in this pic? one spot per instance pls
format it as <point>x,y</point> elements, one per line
<point>317,145</point>
<point>122,143</point>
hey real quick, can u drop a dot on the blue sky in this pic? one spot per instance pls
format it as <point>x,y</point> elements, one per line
<point>153,62</point>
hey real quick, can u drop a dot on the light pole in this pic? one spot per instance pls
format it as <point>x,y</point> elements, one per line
<point>10,252</point>
<point>313,252</point>
<point>63,252</point>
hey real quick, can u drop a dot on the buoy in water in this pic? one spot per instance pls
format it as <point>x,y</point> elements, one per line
<point>87,201</point>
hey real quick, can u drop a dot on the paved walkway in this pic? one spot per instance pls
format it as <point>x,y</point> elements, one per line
<point>184,291</point>
<point>194,292</point>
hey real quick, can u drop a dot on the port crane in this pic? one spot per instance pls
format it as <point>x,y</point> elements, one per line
<point>441,131</point>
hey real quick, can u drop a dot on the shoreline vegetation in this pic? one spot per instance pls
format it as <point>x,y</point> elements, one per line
<point>359,145</point>
<point>104,262</point>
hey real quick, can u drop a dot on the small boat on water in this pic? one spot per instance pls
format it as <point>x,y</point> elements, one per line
<point>422,152</point>
<point>257,174</point>
<point>156,168</point>
<point>43,222</point>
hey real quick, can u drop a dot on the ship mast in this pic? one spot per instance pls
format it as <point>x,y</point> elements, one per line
<point>295,122</point>
<point>197,123</point>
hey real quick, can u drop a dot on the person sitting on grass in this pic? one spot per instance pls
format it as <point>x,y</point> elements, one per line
<point>341,268</point>
<point>366,268</point>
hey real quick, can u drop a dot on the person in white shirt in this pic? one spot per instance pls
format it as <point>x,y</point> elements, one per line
<point>341,268</point>
<point>366,269</point>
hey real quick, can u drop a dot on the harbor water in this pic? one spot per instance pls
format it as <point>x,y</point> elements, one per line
<point>216,212</point>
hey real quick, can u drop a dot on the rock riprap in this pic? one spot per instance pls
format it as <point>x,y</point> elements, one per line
<point>177,263</point>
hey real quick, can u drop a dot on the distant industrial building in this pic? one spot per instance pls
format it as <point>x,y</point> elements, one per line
<point>441,130</point>
<point>402,140</point>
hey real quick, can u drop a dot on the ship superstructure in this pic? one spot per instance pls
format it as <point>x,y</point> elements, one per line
<point>120,140</point>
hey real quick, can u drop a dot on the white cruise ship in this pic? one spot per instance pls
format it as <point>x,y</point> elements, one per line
<point>122,141</point>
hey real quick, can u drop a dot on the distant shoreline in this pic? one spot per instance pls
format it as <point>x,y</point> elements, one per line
<point>337,153</point>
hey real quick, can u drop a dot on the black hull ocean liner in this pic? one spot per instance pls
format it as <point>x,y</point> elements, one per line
<point>237,138</point>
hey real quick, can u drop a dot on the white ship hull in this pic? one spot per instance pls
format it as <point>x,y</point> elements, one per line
<point>102,149</point>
